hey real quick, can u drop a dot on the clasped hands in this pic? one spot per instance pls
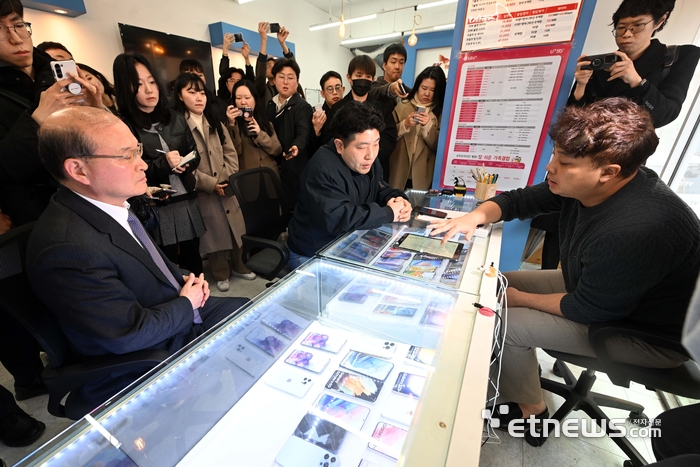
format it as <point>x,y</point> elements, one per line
<point>401,208</point>
<point>196,289</point>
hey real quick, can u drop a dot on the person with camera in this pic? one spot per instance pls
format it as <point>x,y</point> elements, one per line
<point>253,135</point>
<point>418,126</point>
<point>222,214</point>
<point>646,71</point>
<point>228,76</point>
<point>264,78</point>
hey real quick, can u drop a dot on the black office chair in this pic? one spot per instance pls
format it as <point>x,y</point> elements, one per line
<point>259,193</point>
<point>65,372</point>
<point>683,381</point>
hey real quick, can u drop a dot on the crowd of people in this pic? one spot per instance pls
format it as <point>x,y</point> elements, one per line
<point>129,188</point>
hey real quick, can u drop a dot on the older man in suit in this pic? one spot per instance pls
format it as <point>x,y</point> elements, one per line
<point>91,261</point>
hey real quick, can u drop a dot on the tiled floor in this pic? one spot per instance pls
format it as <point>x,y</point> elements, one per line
<point>580,451</point>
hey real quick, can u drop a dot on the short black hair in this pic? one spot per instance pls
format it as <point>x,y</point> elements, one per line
<point>355,117</point>
<point>47,45</point>
<point>7,7</point>
<point>364,63</point>
<point>394,49</point>
<point>190,64</point>
<point>655,8</point>
<point>273,59</point>
<point>328,75</point>
<point>126,85</point>
<point>231,71</point>
<point>286,62</point>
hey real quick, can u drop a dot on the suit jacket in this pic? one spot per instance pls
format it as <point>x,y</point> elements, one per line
<point>108,295</point>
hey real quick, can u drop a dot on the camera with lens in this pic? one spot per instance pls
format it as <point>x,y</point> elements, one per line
<point>246,112</point>
<point>600,62</point>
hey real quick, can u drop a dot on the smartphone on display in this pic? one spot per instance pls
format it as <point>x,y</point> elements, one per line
<point>351,414</point>
<point>376,347</point>
<point>274,27</point>
<point>361,387</point>
<point>291,382</point>
<point>431,246</point>
<point>430,212</point>
<point>298,453</point>
<point>308,361</point>
<point>400,409</point>
<point>390,435</point>
<point>245,359</point>
<point>367,365</point>
<point>324,342</point>
<point>322,433</point>
<point>282,325</point>
<point>409,384</point>
<point>421,355</point>
<point>265,342</point>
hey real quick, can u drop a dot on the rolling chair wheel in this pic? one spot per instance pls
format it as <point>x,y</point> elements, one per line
<point>556,370</point>
<point>639,419</point>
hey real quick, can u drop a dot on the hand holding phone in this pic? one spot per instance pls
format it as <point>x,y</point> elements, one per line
<point>274,28</point>
<point>291,153</point>
<point>61,69</point>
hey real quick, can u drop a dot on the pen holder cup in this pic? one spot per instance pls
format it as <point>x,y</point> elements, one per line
<point>485,191</point>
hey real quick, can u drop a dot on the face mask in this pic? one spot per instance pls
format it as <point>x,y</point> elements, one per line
<point>361,86</point>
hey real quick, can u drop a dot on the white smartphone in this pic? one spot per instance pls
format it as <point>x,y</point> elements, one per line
<point>318,107</point>
<point>376,347</point>
<point>245,358</point>
<point>299,453</point>
<point>60,70</point>
<point>291,382</point>
<point>400,409</point>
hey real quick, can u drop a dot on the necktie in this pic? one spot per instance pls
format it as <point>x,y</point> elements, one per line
<point>150,247</point>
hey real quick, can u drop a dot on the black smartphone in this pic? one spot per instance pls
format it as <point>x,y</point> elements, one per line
<point>430,212</point>
<point>275,27</point>
<point>600,62</point>
<point>237,37</point>
<point>402,88</point>
<point>246,112</point>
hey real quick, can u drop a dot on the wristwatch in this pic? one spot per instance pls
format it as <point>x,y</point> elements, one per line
<point>642,82</point>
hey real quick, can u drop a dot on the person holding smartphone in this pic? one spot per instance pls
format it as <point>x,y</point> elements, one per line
<point>642,73</point>
<point>222,214</point>
<point>166,140</point>
<point>253,136</point>
<point>418,125</point>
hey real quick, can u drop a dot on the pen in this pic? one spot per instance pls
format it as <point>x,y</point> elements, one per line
<point>161,151</point>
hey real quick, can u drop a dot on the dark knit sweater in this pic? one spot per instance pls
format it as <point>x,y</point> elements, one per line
<point>635,256</point>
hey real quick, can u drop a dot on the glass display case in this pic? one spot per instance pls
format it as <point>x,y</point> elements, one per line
<point>335,365</point>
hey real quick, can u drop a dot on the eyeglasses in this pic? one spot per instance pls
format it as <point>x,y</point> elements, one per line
<point>233,80</point>
<point>23,30</point>
<point>335,90</point>
<point>634,29</point>
<point>133,154</point>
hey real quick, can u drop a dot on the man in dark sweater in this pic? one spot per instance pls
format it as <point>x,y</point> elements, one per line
<point>342,187</point>
<point>630,249</point>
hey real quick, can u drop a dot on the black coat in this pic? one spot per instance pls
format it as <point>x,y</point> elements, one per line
<point>179,137</point>
<point>334,200</point>
<point>662,98</point>
<point>25,185</point>
<point>293,127</point>
<point>387,143</point>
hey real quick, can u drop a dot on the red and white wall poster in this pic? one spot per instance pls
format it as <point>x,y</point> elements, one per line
<point>503,100</point>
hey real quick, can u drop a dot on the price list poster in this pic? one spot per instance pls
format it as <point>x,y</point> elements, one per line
<point>502,101</point>
<point>491,24</point>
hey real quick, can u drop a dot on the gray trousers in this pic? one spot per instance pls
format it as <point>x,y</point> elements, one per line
<point>528,329</point>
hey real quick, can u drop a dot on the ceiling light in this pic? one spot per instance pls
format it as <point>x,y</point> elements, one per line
<point>440,3</point>
<point>444,26</point>
<point>370,38</point>
<point>61,12</point>
<point>337,23</point>
<point>242,1</point>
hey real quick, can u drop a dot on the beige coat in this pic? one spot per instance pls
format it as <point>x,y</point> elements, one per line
<point>222,214</point>
<point>260,151</point>
<point>414,154</point>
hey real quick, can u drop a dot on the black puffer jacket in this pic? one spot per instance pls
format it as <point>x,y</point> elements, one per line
<point>25,185</point>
